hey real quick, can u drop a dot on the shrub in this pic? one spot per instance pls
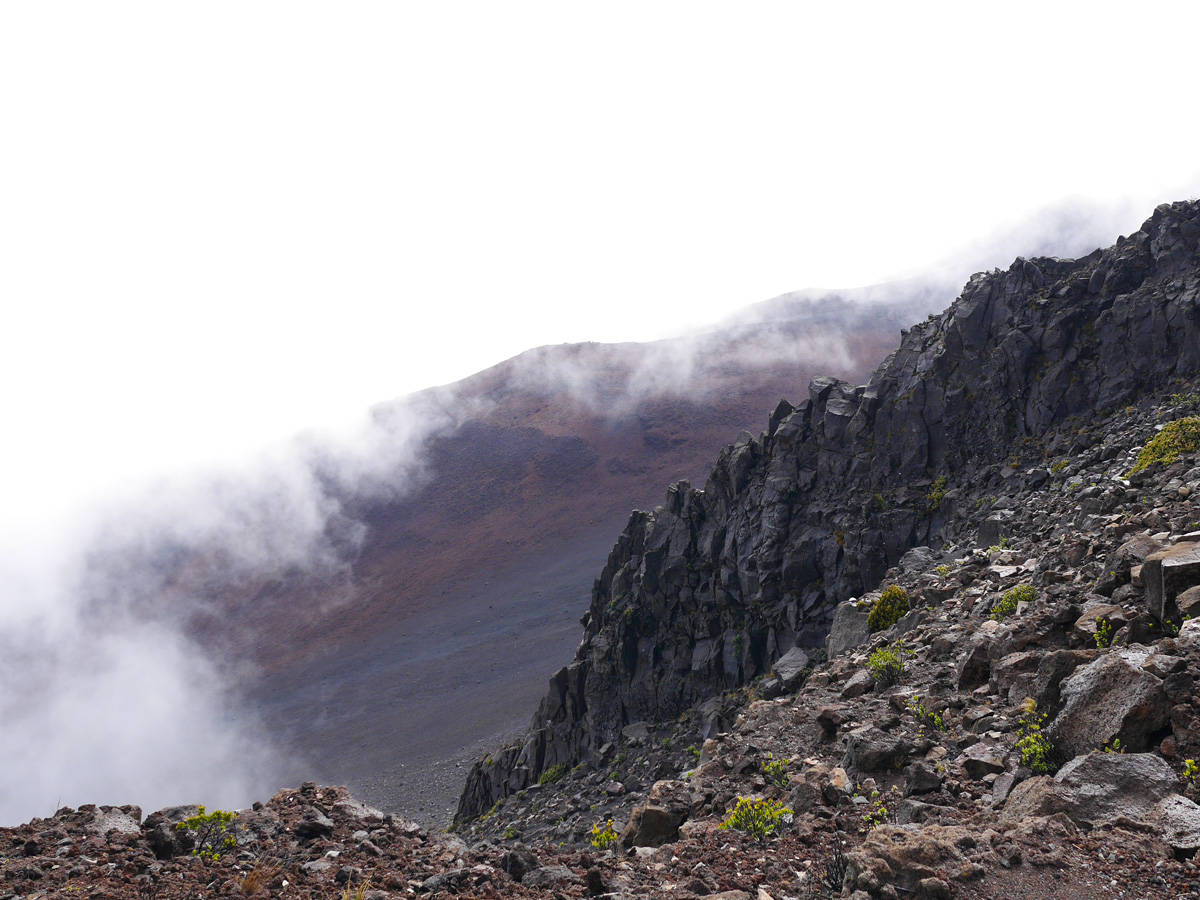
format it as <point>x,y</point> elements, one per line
<point>891,605</point>
<point>876,813</point>
<point>1035,748</point>
<point>216,832</point>
<point>775,770</point>
<point>553,774</point>
<point>927,717</point>
<point>1180,436</point>
<point>603,835</point>
<point>886,664</point>
<point>937,493</point>
<point>1007,605</point>
<point>758,818</point>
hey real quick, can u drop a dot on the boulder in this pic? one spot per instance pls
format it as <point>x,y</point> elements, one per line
<point>857,685</point>
<point>313,824</point>
<point>1053,670</point>
<point>976,666</point>
<point>1167,574</point>
<point>849,628</point>
<point>870,750</point>
<point>922,778</point>
<point>1110,698</point>
<point>790,667</point>
<point>904,857</point>
<point>1095,788</point>
<point>1088,623</point>
<point>657,821</point>
<point>983,759</point>
<point>1178,820</point>
<point>551,876</point>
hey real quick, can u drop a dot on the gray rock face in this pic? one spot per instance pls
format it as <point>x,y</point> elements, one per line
<point>1096,788</point>
<point>1179,820</point>
<point>849,629</point>
<point>790,667</point>
<point>1167,574</point>
<point>706,592</point>
<point>1111,698</point>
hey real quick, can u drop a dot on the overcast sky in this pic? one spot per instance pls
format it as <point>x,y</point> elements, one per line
<point>224,222</point>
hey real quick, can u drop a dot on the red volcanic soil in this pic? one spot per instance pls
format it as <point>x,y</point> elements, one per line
<point>465,595</point>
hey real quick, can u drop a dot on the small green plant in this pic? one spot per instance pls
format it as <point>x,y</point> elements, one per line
<point>886,664</point>
<point>693,753</point>
<point>603,835</point>
<point>775,770</point>
<point>1059,466</point>
<point>495,809</point>
<point>928,718</point>
<point>888,609</point>
<point>1191,772</point>
<point>737,645</point>
<point>1180,436</point>
<point>216,832</point>
<point>1007,604</point>
<point>510,833</point>
<point>876,813</point>
<point>1035,748</point>
<point>1113,746</point>
<point>879,504</point>
<point>553,774</point>
<point>942,571</point>
<point>937,493</point>
<point>758,818</point>
<point>1104,633</point>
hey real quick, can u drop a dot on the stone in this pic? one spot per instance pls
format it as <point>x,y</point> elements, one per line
<point>858,684</point>
<point>314,824</point>
<point>1003,786</point>
<point>1188,603</point>
<point>518,862</point>
<point>870,750</point>
<point>1167,574</point>
<point>849,629</point>
<point>1088,623</point>
<point>976,666</point>
<point>982,759</point>
<point>1178,819</point>
<point>994,529</point>
<point>1108,699</point>
<point>922,778</point>
<point>1053,670</point>
<point>790,667</point>
<point>550,876</point>
<point>1095,788</point>
<point>657,821</point>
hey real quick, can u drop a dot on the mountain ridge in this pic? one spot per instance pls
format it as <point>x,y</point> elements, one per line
<point>787,523</point>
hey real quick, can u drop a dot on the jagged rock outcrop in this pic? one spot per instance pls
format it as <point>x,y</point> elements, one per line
<point>707,591</point>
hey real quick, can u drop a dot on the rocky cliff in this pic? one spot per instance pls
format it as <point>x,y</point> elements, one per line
<point>708,591</point>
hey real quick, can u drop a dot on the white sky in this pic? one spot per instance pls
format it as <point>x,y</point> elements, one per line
<point>222,222</point>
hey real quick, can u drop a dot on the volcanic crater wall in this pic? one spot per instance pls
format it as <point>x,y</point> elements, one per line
<point>705,592</point>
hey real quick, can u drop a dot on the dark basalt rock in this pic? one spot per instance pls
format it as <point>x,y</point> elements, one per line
<point>706,592</point>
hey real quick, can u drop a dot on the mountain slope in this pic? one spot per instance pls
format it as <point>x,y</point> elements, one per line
<point>454,577</point>
<point>706,592</point>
